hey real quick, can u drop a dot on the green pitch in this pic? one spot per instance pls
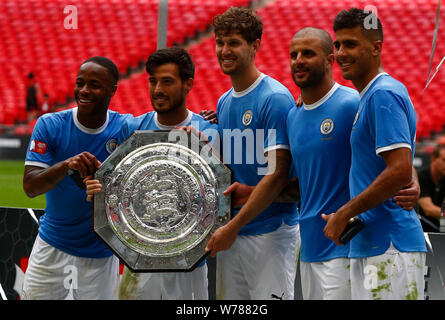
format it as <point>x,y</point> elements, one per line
<point>11,189</point>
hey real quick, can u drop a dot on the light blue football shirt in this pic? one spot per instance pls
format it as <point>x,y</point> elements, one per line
<point>386,120</point>
<point>319,137</point>
<point>251,123</point>
<point>67,222</point>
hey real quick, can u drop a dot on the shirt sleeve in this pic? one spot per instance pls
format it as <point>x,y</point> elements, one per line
<point>389,122</point>
<point>41,148</point>
<point>274,118</point>
<point>125,131</point>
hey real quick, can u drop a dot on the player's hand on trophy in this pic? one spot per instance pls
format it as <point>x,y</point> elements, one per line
<point>85,163</point>
<point>93,187</point>
<point>408,196</point>
<point>222,239</point>
<point>239,192</point>
<point>209,115</point>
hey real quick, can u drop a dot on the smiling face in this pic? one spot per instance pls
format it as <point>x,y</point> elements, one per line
<point>308,61</point>
<point>356,54</point>
<point>234,53</point>
<point>94,88</point>
<point>168,91</point>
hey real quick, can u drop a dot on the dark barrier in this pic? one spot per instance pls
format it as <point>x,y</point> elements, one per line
<point>13,147</point>
<point>435,260</point>
<point>19,227</point>
<point>18,230</point>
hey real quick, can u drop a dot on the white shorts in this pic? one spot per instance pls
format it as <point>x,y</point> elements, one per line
<point>164,286</point>
<point>393,275</point>
<point>55,275</point>
<point>260,267</point>
<point>326,280</point>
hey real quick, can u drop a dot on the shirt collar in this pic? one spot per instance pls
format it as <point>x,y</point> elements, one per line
<point>84,129</point>
<point>322,100</point>
<point>238,94</point>
<point>183,123</point>
<point>362,93</point>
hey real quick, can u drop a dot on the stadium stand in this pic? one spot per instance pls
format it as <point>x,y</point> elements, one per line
<point>125,30</point>
<point>408,27</point>
<point>34,38</point>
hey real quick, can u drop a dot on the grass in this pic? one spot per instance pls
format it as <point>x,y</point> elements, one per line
<point>11,189</point>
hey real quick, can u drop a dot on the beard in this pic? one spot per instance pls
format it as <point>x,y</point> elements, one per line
<point>315,77</point>
<point>174,105</point>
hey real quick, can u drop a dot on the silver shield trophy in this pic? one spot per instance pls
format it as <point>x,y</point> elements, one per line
<point>161,200</point>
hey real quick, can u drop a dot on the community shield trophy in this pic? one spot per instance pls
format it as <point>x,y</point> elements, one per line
<point>161,200</point>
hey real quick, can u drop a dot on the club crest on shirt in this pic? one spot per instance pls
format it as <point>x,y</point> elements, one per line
<point>111,145</point>
<point>327,125</point>
<point>38,146</point>
<point>247,117</point>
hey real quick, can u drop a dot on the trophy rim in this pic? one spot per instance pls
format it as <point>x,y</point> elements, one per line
<point>187,260</point>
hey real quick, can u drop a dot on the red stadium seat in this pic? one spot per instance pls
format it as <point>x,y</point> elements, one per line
<point>34,39</point>
<point>126,32</point>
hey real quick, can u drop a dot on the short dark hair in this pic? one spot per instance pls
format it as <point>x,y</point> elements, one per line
<point>107,64</point>
<point>176,55</point>
<point>356,17</point>
<point>239,20</point>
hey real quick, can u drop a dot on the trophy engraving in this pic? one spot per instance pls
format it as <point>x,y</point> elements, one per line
<point>161,202</point>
